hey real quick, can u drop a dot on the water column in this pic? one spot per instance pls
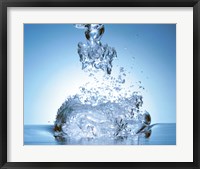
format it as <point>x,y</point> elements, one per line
<point>93,53</point>
<point>105,110</point>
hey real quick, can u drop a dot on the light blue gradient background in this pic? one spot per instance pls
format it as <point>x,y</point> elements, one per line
<point>52,69</point>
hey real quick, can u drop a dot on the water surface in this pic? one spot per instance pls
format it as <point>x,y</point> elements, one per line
<point>162,134</point>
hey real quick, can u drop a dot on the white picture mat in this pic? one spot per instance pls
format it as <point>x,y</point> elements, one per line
<point>181,152</point>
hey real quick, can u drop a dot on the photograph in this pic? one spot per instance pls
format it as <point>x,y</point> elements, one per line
<point>99,84</point>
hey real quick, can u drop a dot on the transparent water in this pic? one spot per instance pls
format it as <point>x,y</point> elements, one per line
<point>107,109</point>
<point>162,134</point>
<point>94,53</point>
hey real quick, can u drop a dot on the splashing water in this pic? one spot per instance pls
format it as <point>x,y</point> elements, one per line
<point>94,54</point>
<point>105,110</point>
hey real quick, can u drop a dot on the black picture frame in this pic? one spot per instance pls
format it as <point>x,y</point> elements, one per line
<point>4,4</point>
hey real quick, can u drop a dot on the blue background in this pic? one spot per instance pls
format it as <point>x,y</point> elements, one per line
<point>52,69</point>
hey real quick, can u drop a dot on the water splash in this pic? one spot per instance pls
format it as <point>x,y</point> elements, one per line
<point>94,53</point>
<point>107,109</point>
